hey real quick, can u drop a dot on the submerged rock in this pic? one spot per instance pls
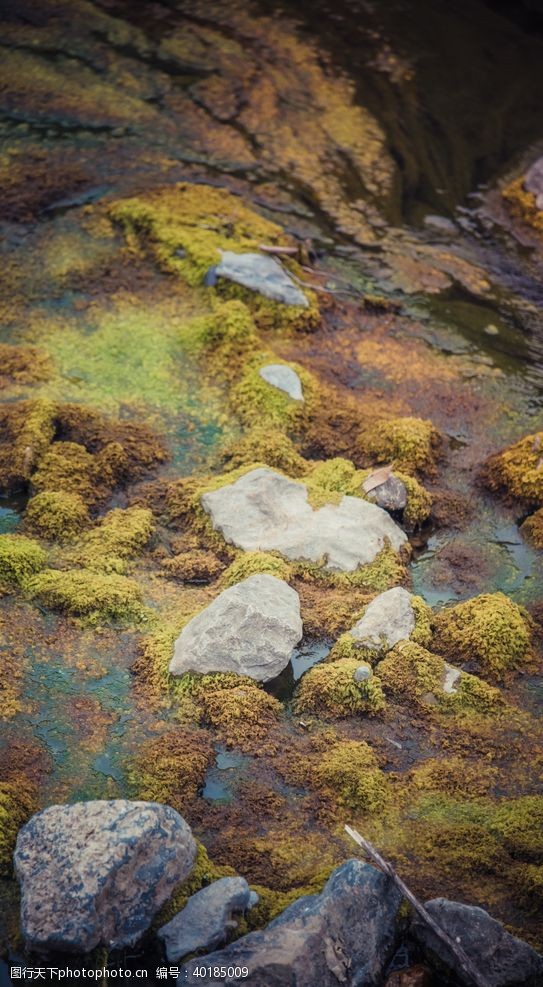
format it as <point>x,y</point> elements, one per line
<point>250,628</point>
<point>389,618</point>
<point>266,511</point>
<point>284,378</point>
<point>390,495</point>
<point>346,934</point>
<point>96,873</point>
<point>206,919</point>
<point>262,273</point>
<point>504,960</point>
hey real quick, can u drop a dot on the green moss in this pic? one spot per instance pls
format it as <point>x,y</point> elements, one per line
<point>119,537</point>
<point>330,480</point>
<point>171,769</point>
<point>249,563</point>
<point>489,630</point>
<point>329,689</point>
<point>17,804</point>
<point>20,559</point>
<point>422,633</point>
<point>81,592</point>
<point>410,443</point>
<point>460,849</point>
<point>528,887</point>
<point>55,514</point>
<point>349,771</point>
<point>243,715</point>
<point>227,335</point>
<point>518,470</point>
<point>410,673</point>
<point>256,401</point>
<point>267,445</point>
<point>519,823</point>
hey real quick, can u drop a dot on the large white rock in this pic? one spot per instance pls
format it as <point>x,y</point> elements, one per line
<point>266,511</point>
<point>250,628</point>
<point>284,378</point>
<point>262,273</point>
<point>96,873</point>
<point>389,618</point>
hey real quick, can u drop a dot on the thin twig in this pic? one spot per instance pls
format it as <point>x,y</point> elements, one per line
<point>466,964</point>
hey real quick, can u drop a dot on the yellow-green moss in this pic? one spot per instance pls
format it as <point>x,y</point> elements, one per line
<point>329,689</point>
<point>56,514</point>
<point>387,569</point>
<point>256,401</point>
<point>474,696</point>
<point>528,886</point>
<point>249,563</point>
<point>519,823</point>
<point>67,466</point>
<point>23,364</point>
<point>20,559</point>
<point>456,777</point>
<point>227,335</point>
<point>328,481</point>
<point>267,445</point>
<point>410,443</point>
<point>410,673</point>
<point>422,633</point>
<point>242,716</point>
<point>84,593</point>
<point>17,804</point>
<point>171,769</point>
<point>533,528</point>
<point>489,630</point>
<point>26,429</point>
<point>518,470</point>
<point>119,537</point>
<point>347,646</point>
<point>193,567</point>
<point>350,773</point>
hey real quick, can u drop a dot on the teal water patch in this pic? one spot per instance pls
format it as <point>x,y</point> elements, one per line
<point>11,510</point>
<point>222,777</point>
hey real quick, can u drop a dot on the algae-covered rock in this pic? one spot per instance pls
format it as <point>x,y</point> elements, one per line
<point>250,628</point>
<point>264,510</point>
<point>95,873</point>
<point>411,444</point>
<point>335,689</point>
<point>20,559</point>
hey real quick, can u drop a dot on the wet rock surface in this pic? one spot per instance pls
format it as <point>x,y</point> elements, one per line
<point>96,873</point>
<point>266,511</point>
<point>250,628</point>
<point>346,934</point>
<point>207,918</point>
<point>389,618</point>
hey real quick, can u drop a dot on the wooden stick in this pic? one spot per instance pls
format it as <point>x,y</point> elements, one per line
<point>465,963</point>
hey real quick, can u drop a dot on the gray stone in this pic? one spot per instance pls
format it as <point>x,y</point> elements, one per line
<point>207,918</point>
<point>262,273</point>
<point>362,673</point>
<point>503,960</point>
<point>390,495</point>
<point>264,511</point>
<point>95,873</point>
<point>533,182</point>
<point>346,935</point>
<point>451,679</point>
<point>284,378</point>
<point>389,618</point>
<point>250,628</point>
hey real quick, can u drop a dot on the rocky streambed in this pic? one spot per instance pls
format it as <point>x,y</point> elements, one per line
<point>271,488</point>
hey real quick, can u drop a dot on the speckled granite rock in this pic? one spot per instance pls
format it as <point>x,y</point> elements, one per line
<point>265,511</point>
<point>206,919</point>
<point>250,628</point>
<point>389,618</point>
<point>95,873</point>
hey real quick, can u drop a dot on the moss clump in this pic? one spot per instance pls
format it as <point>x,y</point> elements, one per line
<point>330,689</point>
<point>349,772</point>
<point>533,528</point>
<point>529,886</point>
<point>490,631</point>
<point>474,696</point>
<point>119,537</point>
<point>249,563</point>
<point>387,569</point>
<point>270,446</point>
<point>422,633</point>
<point>83,593</point>
<point>256,401</point>
<point>55,514</point>
<point>410,443</point>
<point>24,364</point>
<point>243,716</point>
<point>460,848</point>
<point>519,823</point>
<point>17,804</point>
<point>410,673</point>
<point>26,429</point>
<point>20,559</point>
<point>456,777</point>
<point>227,336</point>
<point>193,567</point>
<point>518,471</point>
<point>330,480</point>
<point>171,769</point>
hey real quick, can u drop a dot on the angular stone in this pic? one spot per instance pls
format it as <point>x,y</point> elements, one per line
<point>390,495</point>
<point>207,918</point>
<point>451,679</point>
<point>284,378</point>
<point>95,873</point>
<point>250,628</point>
<point>501,958</point>
<point>262,273</point>
<point>389,618</point>
<point>266,511</point>
<point>346,934</point>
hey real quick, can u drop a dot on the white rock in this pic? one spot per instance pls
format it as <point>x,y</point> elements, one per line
<point>250,628</point>
<point>388,619</point>
<point>264,511</point>
<point>284,378</point>
<point>261,273</point>
<point>451,679</point>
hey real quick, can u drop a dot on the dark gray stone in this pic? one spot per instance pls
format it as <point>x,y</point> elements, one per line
<point>504,960</point>
<point>262,273</point>
<point>390,495</point>
<point>207,918</point>
<point>344,935</point>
